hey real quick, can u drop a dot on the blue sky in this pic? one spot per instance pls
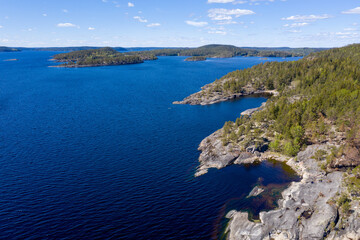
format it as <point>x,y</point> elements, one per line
<point>179,23</point>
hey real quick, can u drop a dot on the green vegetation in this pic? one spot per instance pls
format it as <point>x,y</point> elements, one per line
<point>7,49</point>
<point>353,182</point>
<point>67,49</point>
<point>195,58</point>
<point>319,100</point>
<point>227,51</point>
<point>100,57</point>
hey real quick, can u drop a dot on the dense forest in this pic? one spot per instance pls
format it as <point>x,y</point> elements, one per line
<point>68,49</point>
<point>100,57</point>
<point>227,51</point>
<point>195,58</point>
<point>8,49</point>
<point>319,102</point>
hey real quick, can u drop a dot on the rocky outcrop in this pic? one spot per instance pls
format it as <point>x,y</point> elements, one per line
<point>215,155</point>
<point>304,212</point>
<point>308,208</point>
<point>256,191</point>
<point>205,97</point>
<point>251,111</point>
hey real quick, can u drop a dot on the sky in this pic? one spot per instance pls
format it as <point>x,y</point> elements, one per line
<point>179,23</point>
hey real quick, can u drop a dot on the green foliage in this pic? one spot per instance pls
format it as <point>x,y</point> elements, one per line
<point>195,58</point>
<point>227,51</point>
<point>100,57</point>
<point>7,49</point>
<point>344,203</point>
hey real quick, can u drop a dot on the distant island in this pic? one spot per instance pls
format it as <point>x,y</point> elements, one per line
<point>100,57</point>
<point>111,56</point>
<point>68,49</point>
<point>8,49</point>
<point>228,51</point>
<point>195,59</point>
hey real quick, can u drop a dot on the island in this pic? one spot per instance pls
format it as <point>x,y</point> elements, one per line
<point>8,49</point>
<point>195,59</point>
<point>312,123</point>
<point>100,57</point>
<point>66,49</point>
<point>228,51</point>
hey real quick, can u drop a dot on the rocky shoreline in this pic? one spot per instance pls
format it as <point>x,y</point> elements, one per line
<point>308,208</point>
<point>201,98</point>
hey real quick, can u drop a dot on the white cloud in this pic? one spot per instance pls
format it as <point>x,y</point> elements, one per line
<point>350,29</point>
<point>104,1</point>
<point>44,14</point>
<point>220,14</point>
<point>1,26</point>
<point>91,28</point>
<point>295,31</point>
<point>140,19</point>
<point>153,25</point>
<point>296,25</point>
<point>221,1</point>
<point>352,11</point>
<point>131,4</point>
<point>218,32</point>
<point>227,22</point>
<point>66,25</point>
<point>306,18</point>
<point>196,24</point>
<point>65,10</point>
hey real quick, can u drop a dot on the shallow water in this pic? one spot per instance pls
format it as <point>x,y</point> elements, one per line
<point>101,152</point>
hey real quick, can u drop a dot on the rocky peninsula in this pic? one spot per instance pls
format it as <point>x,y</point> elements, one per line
<point>300,127</point>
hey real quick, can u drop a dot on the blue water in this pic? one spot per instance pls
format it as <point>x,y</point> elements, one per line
<point>101,153</point>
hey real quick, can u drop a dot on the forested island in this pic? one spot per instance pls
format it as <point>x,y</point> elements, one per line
<point>312,122</point>
<point>228,51</point>
<point>8,49</point>
<point>67,49</point>
<point>195,59</point>
<point>100,57</point>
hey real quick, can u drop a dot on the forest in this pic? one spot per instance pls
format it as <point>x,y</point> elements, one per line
<point>8,49</point>
<point>318,102</point>
<point>227,51</point>
<point>100,57</point>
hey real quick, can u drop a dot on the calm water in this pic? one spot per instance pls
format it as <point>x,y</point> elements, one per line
<point>101,152</point>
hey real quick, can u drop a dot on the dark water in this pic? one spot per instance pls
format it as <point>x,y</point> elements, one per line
<point>101,153</point>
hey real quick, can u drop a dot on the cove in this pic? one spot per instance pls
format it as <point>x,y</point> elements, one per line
<point>102,152</point>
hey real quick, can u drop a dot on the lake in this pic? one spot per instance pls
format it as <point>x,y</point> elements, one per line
<point>102,153</point>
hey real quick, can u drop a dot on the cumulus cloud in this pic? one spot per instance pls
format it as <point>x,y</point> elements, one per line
<point>196,24</point>
<point>221,14</point>
<point>307,18</point>
<point>130,4</point>
<point>66,25</point>
<point>91,28</point>
<point>140,19</point>
<point>44,14</point>
<point>65,10</point>
<point>1,26</point>
<point>153,25</point>
<point>352,11</point>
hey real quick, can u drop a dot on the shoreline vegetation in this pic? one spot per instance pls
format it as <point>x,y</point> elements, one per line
<point>100,57</point>
<point>313,125</point>
<point>195,59</point>
<point>109,56</point>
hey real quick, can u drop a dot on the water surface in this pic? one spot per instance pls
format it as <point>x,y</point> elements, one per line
<point>101,153</point>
